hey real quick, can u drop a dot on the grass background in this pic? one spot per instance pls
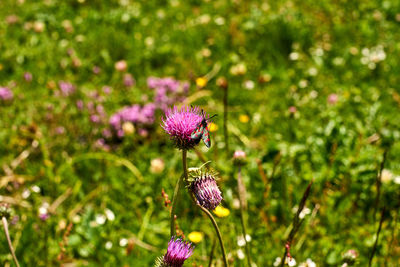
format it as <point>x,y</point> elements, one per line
<point>295,53</point>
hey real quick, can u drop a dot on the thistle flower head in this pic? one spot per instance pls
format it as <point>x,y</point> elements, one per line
<point>178,251</point>
<point>201,182</point>
<point>180,124</point>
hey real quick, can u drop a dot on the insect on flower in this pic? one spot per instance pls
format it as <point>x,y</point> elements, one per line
<point>202,131</point>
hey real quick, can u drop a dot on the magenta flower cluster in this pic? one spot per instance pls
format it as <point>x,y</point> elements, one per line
<point>135,114</point>
<point>66,88</point>
<point>168,91</point>
<point>180,124</point>
<point>6,94</point>
<point>178,251</point>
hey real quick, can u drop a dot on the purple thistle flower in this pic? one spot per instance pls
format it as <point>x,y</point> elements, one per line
<point>96,69</point>
<point>178,251</point>
<point>107,90</point>
<point>129,81</point>
<point>44,216</point>
<point>6,94</point>
<point>95,118</point>
<point>206,191</point>
<point>66,88</point>
<point>80,104</point>
<point>180,124</point>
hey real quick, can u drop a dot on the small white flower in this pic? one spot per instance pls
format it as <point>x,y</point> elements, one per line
<point>109,214</point>
<point>397,180</point>
<point>303,83</point>
<point>248,238</point>
<point>338,61</point>
<point>108,245</point>
<point>308,263</point>
<point>26,193</point>
<point>294,56</point>
<point>219,21</point>
<point>42,210</point>
<point>101,219</point>
<point>240,254</point>
<point>312,71</point>
<point>249,85</point>
<point>277,261</point>
<point>240,241</point>
<point>304,212</point>
<point>35,189</point>
<point>319,52</point>
<point>386,176</point>
<point>123,242</point>
<point>313,94</point>
<point>290,261</point>
<point>76,219</point>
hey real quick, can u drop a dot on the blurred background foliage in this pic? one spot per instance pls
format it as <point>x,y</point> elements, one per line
<point>313,93</point>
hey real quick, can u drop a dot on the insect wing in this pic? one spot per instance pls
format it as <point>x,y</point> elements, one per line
<point>206,137</point>
<point>197,134</point>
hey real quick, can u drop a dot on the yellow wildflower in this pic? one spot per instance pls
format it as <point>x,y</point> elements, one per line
<point>212,127</point>
<point>244,118</point>
<point>196,237</point>
<point>201,82</point>
<point>221,211</point>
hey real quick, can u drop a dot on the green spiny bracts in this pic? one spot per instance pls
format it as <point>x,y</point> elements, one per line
<point>202,172</point>
<point>160,262</point>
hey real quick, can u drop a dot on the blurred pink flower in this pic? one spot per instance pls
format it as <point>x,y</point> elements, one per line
<point>333,99</point>
<point>6,94</point>
<point>292,109</point>
<point>96,69</point>
<point>28,76</point>
<point>121,65</point>
<point>129,81</point>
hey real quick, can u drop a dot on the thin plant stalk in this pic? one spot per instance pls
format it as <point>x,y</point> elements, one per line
<point>225,100</point>
<point>212,252</point>
<point>377,237</point>
<point>241,194</point>
<point>5,225</point>
<point>176,192</point>
<point>214,223</point>
<point>218,233</point>
<point>296,223</point>
<point>379,181</point>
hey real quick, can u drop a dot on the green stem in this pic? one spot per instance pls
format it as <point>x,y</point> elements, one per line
<point>176,192</point>
<point>225,100</point>
<point>240,184</point>
<point>377,237</point>
<point>212,252</point>
<point>218,233</point>
<point>185,175</point>
<point>5,224</point>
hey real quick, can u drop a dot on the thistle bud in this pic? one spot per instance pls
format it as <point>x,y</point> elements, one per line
<point>239,157</point>
<point>202,183</point>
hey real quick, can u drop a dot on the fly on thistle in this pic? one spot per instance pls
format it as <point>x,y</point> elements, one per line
<point>202,132</point>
